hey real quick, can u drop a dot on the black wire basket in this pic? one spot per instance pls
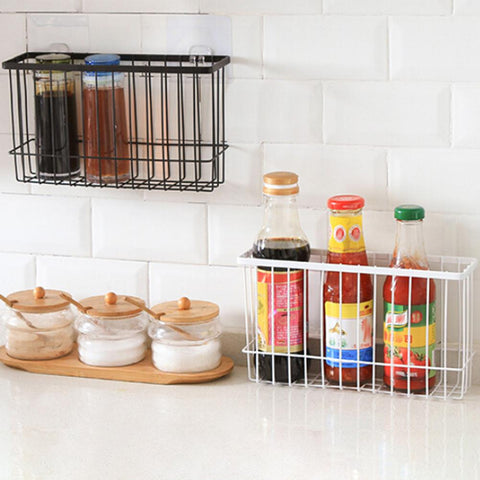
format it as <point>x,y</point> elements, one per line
<point>153,122</point>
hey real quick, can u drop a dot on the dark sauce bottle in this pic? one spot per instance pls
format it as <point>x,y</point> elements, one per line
<point>55,120</point>
<point>281,238</point>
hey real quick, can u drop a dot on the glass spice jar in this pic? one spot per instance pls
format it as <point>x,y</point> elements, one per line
<point>39,324</point>
<point>105,140</point>
<point>112,331</point>
<point>186,337</point>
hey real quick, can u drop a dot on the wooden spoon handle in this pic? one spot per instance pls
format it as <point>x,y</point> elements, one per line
<point>17,313</point>
<point>158,315</point>
<point>142,306</point>
<point>75,303</point>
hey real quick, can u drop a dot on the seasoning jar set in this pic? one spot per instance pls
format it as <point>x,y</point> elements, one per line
<point>113,330</point>
<point>103,113</point>
<point>347,297</point>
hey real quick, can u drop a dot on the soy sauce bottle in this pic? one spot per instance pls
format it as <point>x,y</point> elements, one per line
<point>55,119</point>
<point>282,311</point>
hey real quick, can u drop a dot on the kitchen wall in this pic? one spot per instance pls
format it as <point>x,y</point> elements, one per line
<point>377,97</point>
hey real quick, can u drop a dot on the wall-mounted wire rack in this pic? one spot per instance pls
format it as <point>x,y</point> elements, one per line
<point>174,130</point>
<point>453,353</point>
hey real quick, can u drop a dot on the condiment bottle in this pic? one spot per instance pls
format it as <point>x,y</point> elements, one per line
<point>186,337</point>
<point>105,123</point>
<point>409,306</point>
<point>282,313</point>
<point>39,324</point>
<point>112,331</point>
<point>55,120</point>
<point>348,304</point>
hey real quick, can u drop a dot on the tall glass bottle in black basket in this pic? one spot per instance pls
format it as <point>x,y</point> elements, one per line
<point>55,120</point>
<point>105,123</point>
<point>281,309</point>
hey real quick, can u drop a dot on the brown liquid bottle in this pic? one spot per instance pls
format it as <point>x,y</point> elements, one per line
<point>282,313</point>
<point>107,156</point>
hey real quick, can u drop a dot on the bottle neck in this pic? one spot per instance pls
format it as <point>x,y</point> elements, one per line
<point>409,246</point>
<point>346,232</point>
<point>281,219</point>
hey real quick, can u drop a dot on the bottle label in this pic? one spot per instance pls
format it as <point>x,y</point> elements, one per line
<point>346,234</point>
<point>397,339</point>
<point>348,333</point>
<point>273,310</point>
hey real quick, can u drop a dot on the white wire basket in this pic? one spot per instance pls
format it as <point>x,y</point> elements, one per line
<point>453,352</point>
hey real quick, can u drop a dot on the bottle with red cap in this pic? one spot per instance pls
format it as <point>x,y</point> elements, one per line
<point>348,304</point>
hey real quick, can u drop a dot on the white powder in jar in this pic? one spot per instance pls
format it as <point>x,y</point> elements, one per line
<point>184,358</point>
<point>101,352</point>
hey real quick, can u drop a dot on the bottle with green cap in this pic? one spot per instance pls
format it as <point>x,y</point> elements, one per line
<point>409,309</point>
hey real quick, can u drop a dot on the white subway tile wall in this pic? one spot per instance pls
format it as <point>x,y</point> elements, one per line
<point>376,97</point>
<point>360,49</point>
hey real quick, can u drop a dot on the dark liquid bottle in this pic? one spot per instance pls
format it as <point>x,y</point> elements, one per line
<point>55,121</point>
<point>282,314</point>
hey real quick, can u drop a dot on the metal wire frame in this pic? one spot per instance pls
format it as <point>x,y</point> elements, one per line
<point>453,354</point>
<point>175,116</point>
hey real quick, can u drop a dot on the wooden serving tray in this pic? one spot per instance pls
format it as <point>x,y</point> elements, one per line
<point>143,372</point>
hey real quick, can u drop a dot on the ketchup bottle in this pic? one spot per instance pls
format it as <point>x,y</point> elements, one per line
<point>348,303</point>
<point>409,325</point>
<point>281,309</point>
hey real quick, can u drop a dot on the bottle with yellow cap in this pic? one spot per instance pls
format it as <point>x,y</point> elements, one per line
<point>282,314</point>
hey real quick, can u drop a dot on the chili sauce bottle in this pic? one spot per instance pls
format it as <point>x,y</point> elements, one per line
<point>409,307</point>
<point>281,292</point>
<point>348,304</point>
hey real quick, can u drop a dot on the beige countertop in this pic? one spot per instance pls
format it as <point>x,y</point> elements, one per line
<point>72,428</point>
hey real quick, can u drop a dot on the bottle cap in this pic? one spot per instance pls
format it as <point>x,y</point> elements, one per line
<point>53,58</point>
<point>280,183</point>
<point>409,212</point>
<point>103,59</point>
<point>346,202</point>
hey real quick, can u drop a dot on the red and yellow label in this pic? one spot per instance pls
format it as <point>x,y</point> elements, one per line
<point>346,234</point>
<point>280,310</point>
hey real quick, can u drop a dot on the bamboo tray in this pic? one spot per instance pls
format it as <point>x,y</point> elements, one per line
<point>142,372</point>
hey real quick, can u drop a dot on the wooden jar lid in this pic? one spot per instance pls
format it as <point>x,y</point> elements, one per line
<point>187,311</point>
<point>111,305</point>
<point>38,300</point>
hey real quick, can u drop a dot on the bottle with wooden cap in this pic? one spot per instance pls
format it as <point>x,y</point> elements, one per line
<point>112,330</point>
<point>39,324</point>
<point>186,336</point>
<point>281,293</point>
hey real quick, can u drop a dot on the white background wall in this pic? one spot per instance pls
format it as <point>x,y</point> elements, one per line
<point>376,97</point>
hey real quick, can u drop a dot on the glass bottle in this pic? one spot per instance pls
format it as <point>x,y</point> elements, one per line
<point>348,304</point>
<point>107,158</point>
<point>55,120</point>
<point>281,238</point>
<point>409,306</point>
